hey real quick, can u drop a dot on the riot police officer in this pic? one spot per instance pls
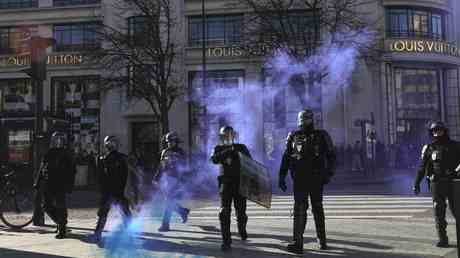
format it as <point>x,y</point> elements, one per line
<point>170,175</point>
<point>439,161</point>
<point>112,170</point>
<point>56,176</point>
<point>226,155</point>
<point>310,157</point>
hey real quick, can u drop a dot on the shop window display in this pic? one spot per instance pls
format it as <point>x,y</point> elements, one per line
<point>417,103</point>
<point>79,97</point>
<point>207,112</point>
<point>17,96</point>
<point>19,146</point>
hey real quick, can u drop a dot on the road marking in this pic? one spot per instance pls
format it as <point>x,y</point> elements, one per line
<point>339,207</point>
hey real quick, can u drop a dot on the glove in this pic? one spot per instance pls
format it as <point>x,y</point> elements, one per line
<point>282,185</point>
<point>416,189</point>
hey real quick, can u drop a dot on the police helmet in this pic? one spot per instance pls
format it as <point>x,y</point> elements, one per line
<point>110,142</point>
<point>224,130</point>
<point>437,125</point>
<point>172,137</point>
<point>58,140</point>
<point>305,118</point>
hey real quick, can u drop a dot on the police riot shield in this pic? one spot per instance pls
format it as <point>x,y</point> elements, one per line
<point>255,183</point>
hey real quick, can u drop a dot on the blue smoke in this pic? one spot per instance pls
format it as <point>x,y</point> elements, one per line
<point>122,241</point>
<point>334,62</point>
<point>328,71</point>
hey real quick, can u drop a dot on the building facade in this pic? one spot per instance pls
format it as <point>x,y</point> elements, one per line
<point>414,81</point>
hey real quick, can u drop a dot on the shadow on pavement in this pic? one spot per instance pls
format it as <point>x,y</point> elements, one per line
<point>28,230</point>
<point>244,250</point>
<point>8,253</point>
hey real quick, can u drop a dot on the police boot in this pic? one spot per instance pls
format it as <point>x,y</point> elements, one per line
<point>299,226</point>
<point>184,214</point>
<point>97,235</point>
<point>442,236</point>
<point>441,224</point>
<point>242,229</point>
<point>38,217</point>
<point>320,229</point>
<point>164,227</point>
<point>225,231</point>
<point>62,231</point>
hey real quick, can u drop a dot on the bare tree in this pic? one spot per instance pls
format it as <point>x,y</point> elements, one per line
<point>303,28</point>
<point>296,25</point>
<point>141,53</point>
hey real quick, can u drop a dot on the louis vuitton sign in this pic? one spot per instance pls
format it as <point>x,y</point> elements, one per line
<point>64,59</point>
<point>423,46</point>
<point>238,51</point>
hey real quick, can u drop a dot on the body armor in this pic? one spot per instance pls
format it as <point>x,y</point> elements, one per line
<point>170,175</point>
<point>113,172</point>
<point>226,156</point>
<point>439,161</point>
<point>310,158</point>
<point>172,160</point>
<point>308,153</point>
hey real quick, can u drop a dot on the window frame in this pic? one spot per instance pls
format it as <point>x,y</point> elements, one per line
<point>423,18</point>
<point>18,4</point>
<point>137,30</point>
<point>12,39</point>
<point>83,30</point>
<point>231,34</point>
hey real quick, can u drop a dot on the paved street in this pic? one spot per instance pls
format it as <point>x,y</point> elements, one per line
<point>368,216</point>
<point>357,225</point>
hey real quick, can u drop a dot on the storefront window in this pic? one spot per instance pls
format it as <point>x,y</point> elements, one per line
<point>223,89</point>
<point>407,23</point>
<point>79,97</point>
<point>17,96</point>
<point>19,146</point>
<point>417,103</point>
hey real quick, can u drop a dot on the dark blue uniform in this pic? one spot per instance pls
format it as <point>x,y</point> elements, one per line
<point>170,175</point>
<point>229,181</point>
<point>438,163</point>
<point>310,157</point>
<point>112,170</point>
